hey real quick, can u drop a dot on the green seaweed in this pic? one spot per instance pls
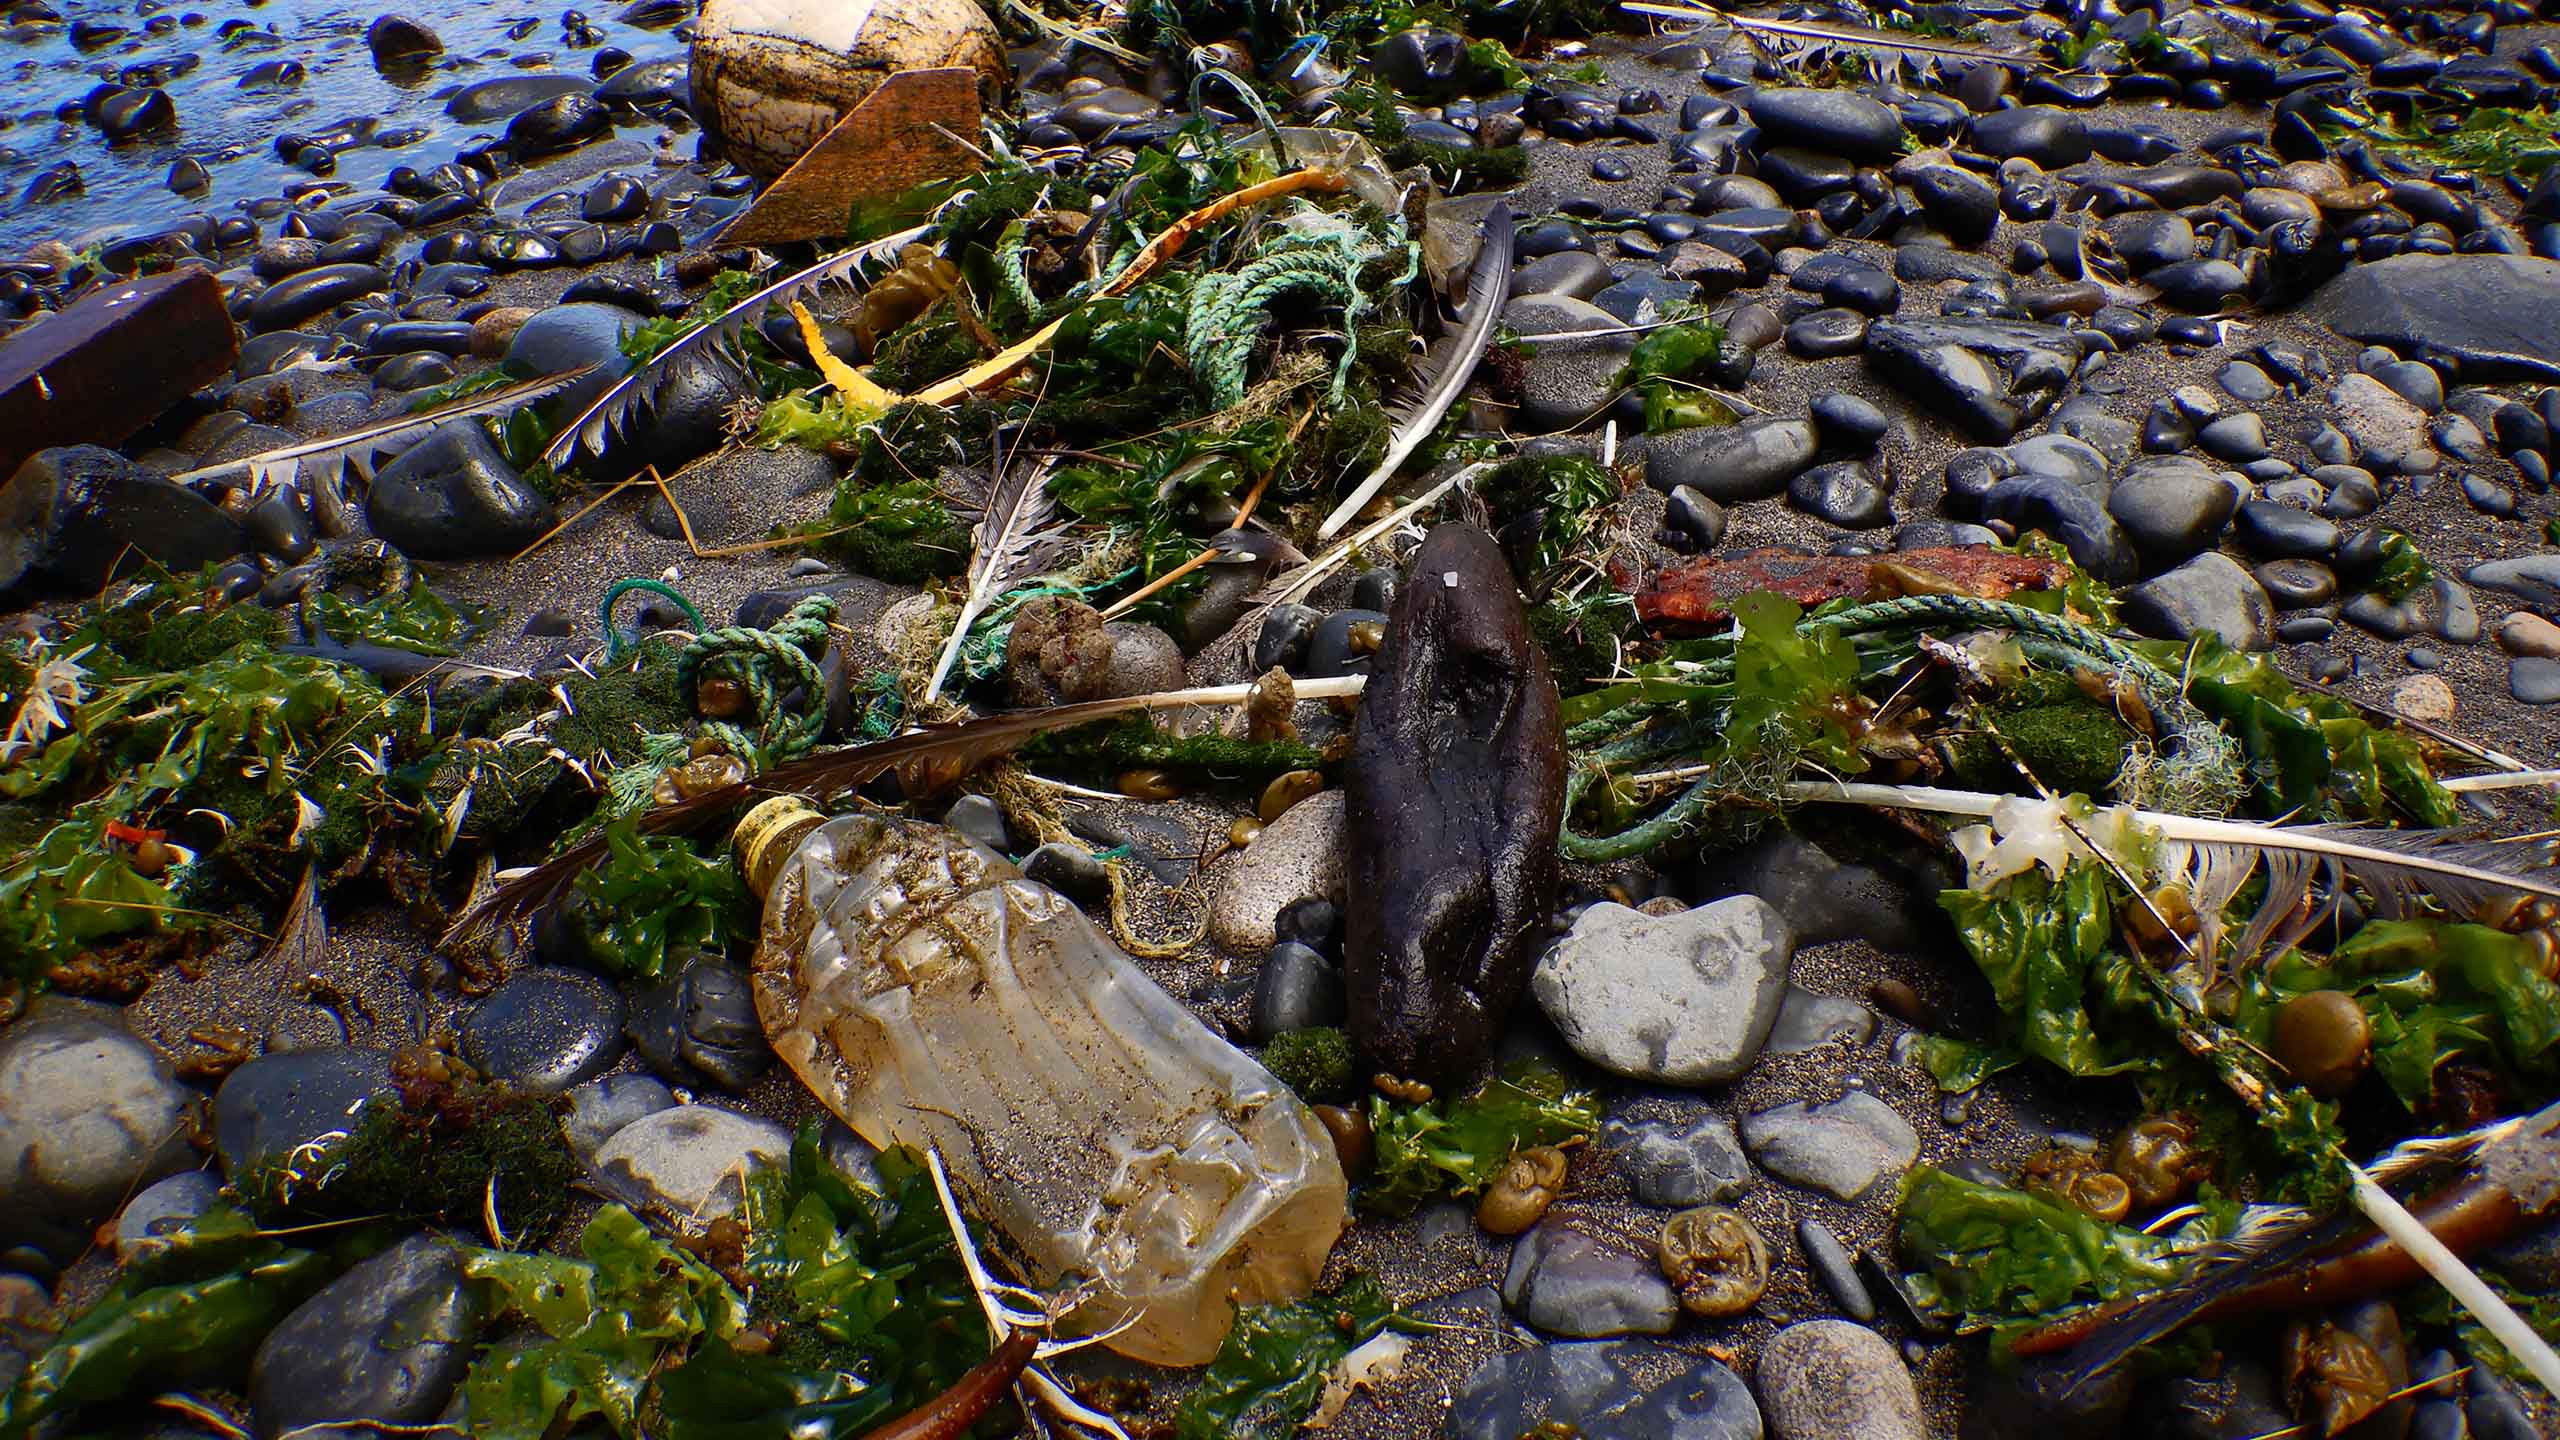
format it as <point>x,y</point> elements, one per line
<point>652,898</point>
<point>1133,742</point>
<point>1457,1147</point>
<point>1273,1364</point>
<point>1993,1253</point>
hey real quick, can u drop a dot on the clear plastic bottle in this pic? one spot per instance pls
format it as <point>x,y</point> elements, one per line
<point>932,996</point>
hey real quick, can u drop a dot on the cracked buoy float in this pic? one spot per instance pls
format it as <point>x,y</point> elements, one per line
<point>772,77</point>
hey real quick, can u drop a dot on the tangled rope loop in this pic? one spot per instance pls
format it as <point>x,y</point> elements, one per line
<point>767,664</point>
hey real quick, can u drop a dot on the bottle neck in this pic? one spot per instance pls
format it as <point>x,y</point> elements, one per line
<point>768,834</point>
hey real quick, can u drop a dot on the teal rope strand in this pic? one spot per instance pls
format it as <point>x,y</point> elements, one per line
<point>614,649</point>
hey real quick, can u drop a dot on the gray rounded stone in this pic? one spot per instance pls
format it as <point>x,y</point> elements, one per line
<point>546,1030</point>
<point>1566,1283</point>
<point>1825,1379</point>
<point>88,1114</point>
<point>387,1341</point>
<point>691,1160</point>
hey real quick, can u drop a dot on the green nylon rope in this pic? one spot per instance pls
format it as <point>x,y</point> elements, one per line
<point>766,663</point>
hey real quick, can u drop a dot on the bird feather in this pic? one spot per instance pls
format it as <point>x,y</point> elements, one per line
<point>1860,36</point>
<point>713,343</point>
<point>1006,545</point>
<point>925,760</point>
<point>1445,370</point>
<point>2469,878</point>
<point>326,462</point>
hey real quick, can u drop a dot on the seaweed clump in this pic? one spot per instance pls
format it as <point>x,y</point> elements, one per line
<point>446,1148</point>
<point>1317,1063</point>
<point>1133,742</point>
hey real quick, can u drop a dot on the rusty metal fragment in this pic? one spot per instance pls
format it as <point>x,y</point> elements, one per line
<point>1702,591</point>
<point>106,367</point>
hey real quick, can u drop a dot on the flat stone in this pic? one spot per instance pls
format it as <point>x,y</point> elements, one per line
<point>1566,1283</point>
<point>1990,377</point>
<point>88,1114</point>
<point>1683,999</point>
<point>2385,429</point>
<point>1299,856</point>
<point>1676,1166</point>
<point>1732,464</point>
<point>1807,1021</point>
<point>692,1159</point>
<point>1842,1148</point>
<point>2532,578</point>
<point>2534,680</point>
<point>1829,1379</point>
<point>1592,1390</point>
<point>2496,316</point>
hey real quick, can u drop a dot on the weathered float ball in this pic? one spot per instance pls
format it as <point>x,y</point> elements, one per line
<point>772,77</point>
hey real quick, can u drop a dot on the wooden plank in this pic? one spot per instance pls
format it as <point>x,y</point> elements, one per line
<point>905,133</point>
<point>109,365</point>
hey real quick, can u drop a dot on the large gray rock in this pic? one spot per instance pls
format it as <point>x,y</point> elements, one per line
<point>387,1341</point>
<point>2387,430</point>
<point>1830,1379</point>
<point>70,516</point>
<point>1842,1148</point>
<point>2211,593</point>
<point>1680,999</point>
<point>2497,316</point>
<point>88,1115</point>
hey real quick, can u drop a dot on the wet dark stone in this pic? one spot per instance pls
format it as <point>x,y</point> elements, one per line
<point>1844,492</point>
<point>2048,136</point>
<point>284,1100</point>
<point>1804,176</point>
<point>613,200</point>
<point>1835,122</point>
<point>1867,290</point>
<point>1329,649</point>
<point>128,113</point>
<point>1750,461</point>
<point>81,514</point>
<point>546,1030</point>
<point>395,39</point>
<point>387,1341</point>
<point>1990,376</point>
<point>2069,514</point>
<point>292,301</point>
<point>453,496</point>
<point>1848,422</point>
<point>500,98</point>
<point>2281,532</point>
<point>1456,791</point>
<point>1825,333</point>
<point>699,1026</point>
<point>278,526</point>
<point>1296,989</point>
<point>1282,640</point>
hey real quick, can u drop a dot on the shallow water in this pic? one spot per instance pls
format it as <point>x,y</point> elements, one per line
<point>201,56</point>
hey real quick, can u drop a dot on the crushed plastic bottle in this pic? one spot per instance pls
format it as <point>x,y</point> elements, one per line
<point>931,996</point>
